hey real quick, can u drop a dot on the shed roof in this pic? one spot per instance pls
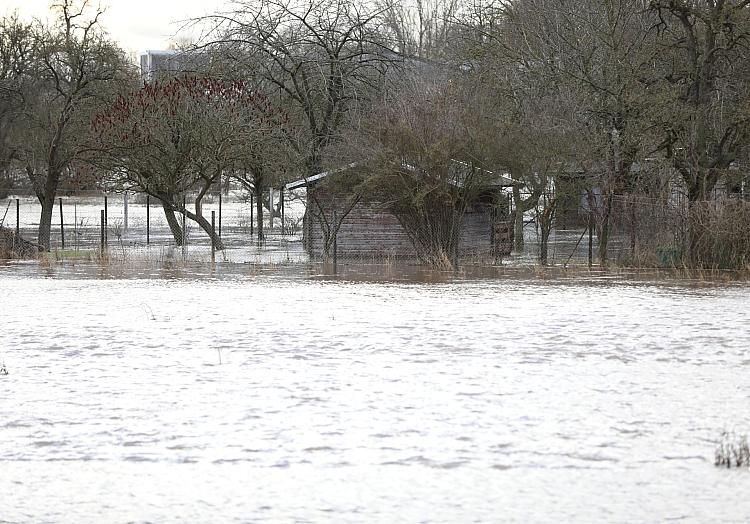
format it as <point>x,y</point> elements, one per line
<point>503,180</point>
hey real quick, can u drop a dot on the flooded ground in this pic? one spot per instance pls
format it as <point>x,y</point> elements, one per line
<point>243,395</point>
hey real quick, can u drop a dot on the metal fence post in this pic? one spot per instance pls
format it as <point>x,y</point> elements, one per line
<point>184,226</point>
<point>106,220</point>
<point>148,220</point>
<point>62,225</point>
<point>101,231</point>
<point>213,232</point>
<point>270,209</point>
<point>591,238</point>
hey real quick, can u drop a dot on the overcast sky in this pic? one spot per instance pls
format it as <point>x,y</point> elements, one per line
<point>136,24</point>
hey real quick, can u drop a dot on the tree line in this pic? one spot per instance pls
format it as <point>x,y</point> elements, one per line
<point>631,96</point>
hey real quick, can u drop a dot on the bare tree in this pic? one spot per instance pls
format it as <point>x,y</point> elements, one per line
<point>16,56</point>
<point>324,58</point>
<point>706,119</point>
<point>170,137</point>
<point>594,56</point>
<point>423,29</point>
<point>429,167</point>
<point>76,69</point>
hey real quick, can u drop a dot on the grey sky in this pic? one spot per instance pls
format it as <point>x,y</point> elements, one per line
<point>136,24</point>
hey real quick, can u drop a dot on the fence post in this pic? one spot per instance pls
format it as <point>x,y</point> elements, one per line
<point>252,213</point>
<point>270,209</point>
<point>184,224</point>
<point>101,231</point>
<point>335,242</point>
<point>591,238</point>
<point>125,211</point>
<point>148,220</point>
<point>62,225</point>
<point>18,217</point>
<point>75,223</point>
<point>106,220</point>
<point>213,232</point>
<point>281,202</point>
<point>219,206</point>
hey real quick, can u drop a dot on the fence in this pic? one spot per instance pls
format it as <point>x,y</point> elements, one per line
<point>136,224</point>
<point>649,232</point>
<point>645,232</point>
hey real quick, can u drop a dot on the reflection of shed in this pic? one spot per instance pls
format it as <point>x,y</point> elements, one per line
<point>370,228</point>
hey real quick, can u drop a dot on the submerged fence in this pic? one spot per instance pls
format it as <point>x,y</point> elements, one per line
<point>644,232</point>
<point>136,224</point>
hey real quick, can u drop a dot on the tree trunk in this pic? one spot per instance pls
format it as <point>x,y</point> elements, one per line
<point>174,224</point>
<point>518,242</point>
<point>544,244</point>
<point>206,226</point>
<point>45,222</point>
<point>201,220</point>
<point>258,191</point>
<point>47,199</point>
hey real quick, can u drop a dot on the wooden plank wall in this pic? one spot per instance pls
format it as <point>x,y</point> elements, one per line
<point>371,231</point>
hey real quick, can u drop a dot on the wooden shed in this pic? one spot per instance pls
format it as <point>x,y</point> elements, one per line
<point>370,228</point>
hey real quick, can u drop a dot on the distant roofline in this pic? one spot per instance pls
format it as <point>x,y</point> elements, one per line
<point>166,51</point>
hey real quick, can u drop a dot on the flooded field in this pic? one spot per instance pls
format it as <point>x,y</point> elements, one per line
<point>242,397</point>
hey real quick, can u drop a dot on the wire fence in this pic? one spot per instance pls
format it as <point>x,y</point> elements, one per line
<point>135,225</point>
<point>644,232</point>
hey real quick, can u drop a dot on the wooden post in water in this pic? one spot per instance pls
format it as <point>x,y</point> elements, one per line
<point>213,232</point>
<point>62,225</point>
<point>101,231</point>
<point>148,220</point>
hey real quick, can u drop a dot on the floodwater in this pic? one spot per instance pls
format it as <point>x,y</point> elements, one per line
<point>272,397</point>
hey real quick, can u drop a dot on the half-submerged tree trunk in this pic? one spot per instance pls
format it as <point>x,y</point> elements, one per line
<point>206,226</point>
<point>521,207</point>
<point>544,219</point>
<point>46,198</point>
<point>174,224</point>
<point>201,220</point>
